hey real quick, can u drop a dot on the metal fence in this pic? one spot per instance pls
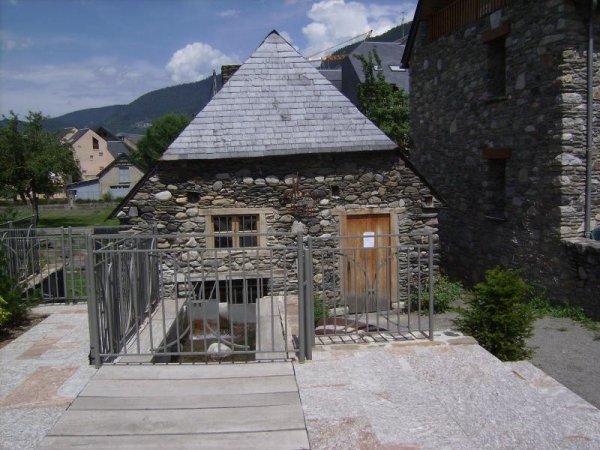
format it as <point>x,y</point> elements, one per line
<point>48,263</point>
<point>182,298</point>
<point>172,298</point>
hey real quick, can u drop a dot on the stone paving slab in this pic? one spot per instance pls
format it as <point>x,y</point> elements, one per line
<point>435,395</point>
<point>42,371</point>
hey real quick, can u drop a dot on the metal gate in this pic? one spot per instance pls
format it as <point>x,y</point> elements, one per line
<point>180,298</point>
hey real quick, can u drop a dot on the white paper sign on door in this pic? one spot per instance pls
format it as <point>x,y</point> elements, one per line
<point>369,239</point>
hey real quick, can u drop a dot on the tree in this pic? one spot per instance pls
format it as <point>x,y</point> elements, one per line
<point>382,102</point>
<point>158,137</point>
<point>33,161</point>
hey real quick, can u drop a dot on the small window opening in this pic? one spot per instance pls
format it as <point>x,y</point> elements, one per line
<point>100,153</point>
<point>91,156</point>
<point>496,67</point>
<point>192,197</point>
<point>335,190</point>
<point>428,201</point>
<point>95,144</point>
<point>495,192</point>
<point>232,291</point>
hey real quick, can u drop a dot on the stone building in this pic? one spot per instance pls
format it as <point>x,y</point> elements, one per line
<point>280,150</point>
<point>500,126</point>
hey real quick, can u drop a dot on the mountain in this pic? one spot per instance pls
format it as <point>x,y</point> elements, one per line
<point>187,99</point>
<point>134,118</point>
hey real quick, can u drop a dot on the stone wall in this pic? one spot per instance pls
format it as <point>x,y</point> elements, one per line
<point>540,120</point>
<point>580,276</point>
<point>297,193</point>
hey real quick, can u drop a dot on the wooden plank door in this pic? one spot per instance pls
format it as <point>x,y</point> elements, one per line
<point>367,259</point>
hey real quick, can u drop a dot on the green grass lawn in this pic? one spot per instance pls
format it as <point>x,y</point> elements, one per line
<point>76,217</point>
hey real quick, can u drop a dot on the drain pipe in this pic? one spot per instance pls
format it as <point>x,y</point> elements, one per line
<point>590,119</point>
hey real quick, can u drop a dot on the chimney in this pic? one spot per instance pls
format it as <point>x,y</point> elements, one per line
<point>227,72</point>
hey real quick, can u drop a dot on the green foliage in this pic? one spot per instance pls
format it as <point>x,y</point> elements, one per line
<point>382,102</point>
<point>107,197</point>
<point>158,137</point>
<point>321,308</point>
<point>542,307</point>
<point>445,293</point>
<point>499,315</point>
<point>13,305</point>
<point>33,161</point>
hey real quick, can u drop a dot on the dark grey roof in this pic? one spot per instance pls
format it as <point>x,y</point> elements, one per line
<point>277,103</point>
<point>78,134</point>
<point>116,148</point>
<point>390,54</point>
<point>334,76</point>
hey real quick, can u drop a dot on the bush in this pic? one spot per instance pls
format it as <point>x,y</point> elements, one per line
<point>445,293</point>
<point>14,306</point>
<point>321,308</point>
<point>499,315</point>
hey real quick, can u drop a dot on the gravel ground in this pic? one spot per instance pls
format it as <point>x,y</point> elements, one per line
<point>569,353</point>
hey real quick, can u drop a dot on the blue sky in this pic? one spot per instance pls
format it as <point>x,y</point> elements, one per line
<point>58,56</point>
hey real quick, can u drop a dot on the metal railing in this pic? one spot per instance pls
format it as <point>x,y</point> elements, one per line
<point>371,288</point>
<point>173,298</point>
<point>176,298</point>
<point>47,263</point>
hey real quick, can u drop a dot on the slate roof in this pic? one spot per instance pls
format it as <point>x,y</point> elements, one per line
<point>277,103</point>
<point>78,135</point>
<point>117,148</point>
<point>390,54</point>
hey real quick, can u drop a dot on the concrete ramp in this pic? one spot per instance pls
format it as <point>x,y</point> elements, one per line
<point>232,406</point>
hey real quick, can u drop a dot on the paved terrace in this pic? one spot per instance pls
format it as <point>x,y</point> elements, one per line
<point>446,394</point>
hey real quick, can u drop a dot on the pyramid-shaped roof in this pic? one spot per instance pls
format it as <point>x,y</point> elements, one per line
<point>276,103</point>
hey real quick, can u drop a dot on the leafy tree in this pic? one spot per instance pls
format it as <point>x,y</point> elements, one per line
<point>33,161</point>
<point>158,137</point>
<point>499,315</point>
<point>382,102</point>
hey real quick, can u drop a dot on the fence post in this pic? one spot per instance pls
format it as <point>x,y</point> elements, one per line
<point>309,309</point>
<point>92,304</point>
<point>301,299</point>
<point>431,312</point>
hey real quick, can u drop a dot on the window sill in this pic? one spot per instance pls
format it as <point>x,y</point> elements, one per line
<point>497,99</point>
<point>495,218</point>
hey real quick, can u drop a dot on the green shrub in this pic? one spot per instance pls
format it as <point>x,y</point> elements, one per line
<point>499,315</point>
<point>445,293</point>
<point>542,307</point>
<point>321,308</point>
<point>14,306</point>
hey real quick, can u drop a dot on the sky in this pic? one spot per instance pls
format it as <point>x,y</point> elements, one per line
<point>58,56</point>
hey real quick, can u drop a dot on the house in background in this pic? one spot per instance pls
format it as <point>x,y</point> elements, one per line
<point>278,150</point>
<point>389,52</point>
<point>114,181</point>
<point>500,125</point>
<point>94,150</point>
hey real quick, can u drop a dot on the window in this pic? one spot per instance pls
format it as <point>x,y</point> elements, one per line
<point>397,69</point>
<point>123,174</point>
<point>495,41</point>
<point>496,67</point>
<point>95,143</point>
<point>235,231</point>
<point>100,153</point>
<point>91,156</point>
<point>495,183</point>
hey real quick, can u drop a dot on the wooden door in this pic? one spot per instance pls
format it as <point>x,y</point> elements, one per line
<point>367,259</point>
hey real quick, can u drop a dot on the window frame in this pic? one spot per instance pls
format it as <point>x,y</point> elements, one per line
<point>235,214</point>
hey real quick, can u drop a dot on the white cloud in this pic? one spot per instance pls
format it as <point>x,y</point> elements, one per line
<point>336,21</point>
<point>196,61</point>
<point>229,13</point>
<point>10,41</point>
<point>58,89</point>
